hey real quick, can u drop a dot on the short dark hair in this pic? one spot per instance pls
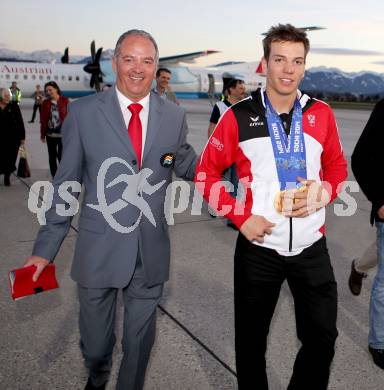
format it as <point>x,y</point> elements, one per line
<point>232,83</point>
<point>54,85</point>
<point>162,70</point>
<point>284,33</point>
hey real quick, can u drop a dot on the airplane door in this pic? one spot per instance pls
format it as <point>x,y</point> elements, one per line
<point>211,89</point>
<point>211,85</point>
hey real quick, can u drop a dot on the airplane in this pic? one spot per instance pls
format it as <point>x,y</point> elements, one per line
<point>77,80</point>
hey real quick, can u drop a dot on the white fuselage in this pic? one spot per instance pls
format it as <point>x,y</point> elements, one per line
<point>186,82</point>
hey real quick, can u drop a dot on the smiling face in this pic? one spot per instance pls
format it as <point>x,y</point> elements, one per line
<point>135,67</point>
<point>285,69</point>
<point>163,80</point>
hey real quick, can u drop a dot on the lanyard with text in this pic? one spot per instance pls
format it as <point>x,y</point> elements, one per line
<point>289,150</point>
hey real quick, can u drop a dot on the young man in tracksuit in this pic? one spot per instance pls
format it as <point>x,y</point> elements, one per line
<point>289,180</point>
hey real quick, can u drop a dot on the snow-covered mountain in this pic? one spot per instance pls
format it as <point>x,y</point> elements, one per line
<point>46,56</point>
<point>331,80</point>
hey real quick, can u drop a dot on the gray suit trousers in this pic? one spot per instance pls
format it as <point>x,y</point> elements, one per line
<point>97,323</point>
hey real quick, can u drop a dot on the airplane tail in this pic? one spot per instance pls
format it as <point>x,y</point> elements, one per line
<point>259,69</point>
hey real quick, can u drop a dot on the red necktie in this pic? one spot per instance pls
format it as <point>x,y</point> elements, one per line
<point>135,130</point>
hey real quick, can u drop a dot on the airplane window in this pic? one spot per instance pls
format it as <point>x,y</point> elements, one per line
<point>48,77</point>
<point>25,77</point>
<point>7,76</point>
<point>69,78</point>
<point>33,77</point>
<point>56,77</point>
<point>41,77</point>
<point>16,76</point>
<point>77,78</point>
<point>63,78</point>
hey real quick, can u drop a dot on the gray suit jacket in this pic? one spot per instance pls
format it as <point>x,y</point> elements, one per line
<point>94,131</point>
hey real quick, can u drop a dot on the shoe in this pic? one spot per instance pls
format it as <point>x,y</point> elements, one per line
<point>7,181</point>
<point>355,280</point>
<point>378,356</point>
<point>89,386</point>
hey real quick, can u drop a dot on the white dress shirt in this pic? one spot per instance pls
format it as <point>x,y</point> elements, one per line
<point>124,103</point>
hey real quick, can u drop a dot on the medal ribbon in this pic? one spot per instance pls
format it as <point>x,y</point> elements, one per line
<point>289,151</point>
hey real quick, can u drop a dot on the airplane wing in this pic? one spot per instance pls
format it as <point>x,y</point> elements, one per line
<point>311,28</point>
<point>306,28</point>
<point>188,57</point>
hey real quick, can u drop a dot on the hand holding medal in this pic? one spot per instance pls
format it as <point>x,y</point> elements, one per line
<point>302,201</point>
<point>284,200</point>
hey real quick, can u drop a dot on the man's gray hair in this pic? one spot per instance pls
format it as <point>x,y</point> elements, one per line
<point>135,32</point>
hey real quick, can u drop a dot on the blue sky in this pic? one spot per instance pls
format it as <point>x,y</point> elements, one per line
<point>353,40</point>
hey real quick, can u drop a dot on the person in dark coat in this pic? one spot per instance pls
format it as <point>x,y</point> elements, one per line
<point>366,158</point>
<point>12,134</point>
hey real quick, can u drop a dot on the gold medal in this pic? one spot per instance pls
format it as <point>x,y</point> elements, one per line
<point>278,201</point>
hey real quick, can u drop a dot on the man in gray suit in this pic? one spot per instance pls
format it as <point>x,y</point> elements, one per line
<point>123,240</point>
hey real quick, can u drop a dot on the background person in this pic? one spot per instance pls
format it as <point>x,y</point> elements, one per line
<point>282,220</point>
<point>233,91</point>
<point>366,159</point>
<point>12,134</point>
<point>15,93</point>
<point>162,88</point>
<point>148,134</point>
<point>53,113</point>
<point>38,97</point>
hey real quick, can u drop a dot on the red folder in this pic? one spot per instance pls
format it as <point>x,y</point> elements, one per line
<point>21,283</point>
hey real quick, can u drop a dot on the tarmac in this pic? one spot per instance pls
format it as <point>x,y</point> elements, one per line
<point>194,348</point>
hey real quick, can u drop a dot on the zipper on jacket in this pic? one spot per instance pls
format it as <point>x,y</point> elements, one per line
<point>290,234</point>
